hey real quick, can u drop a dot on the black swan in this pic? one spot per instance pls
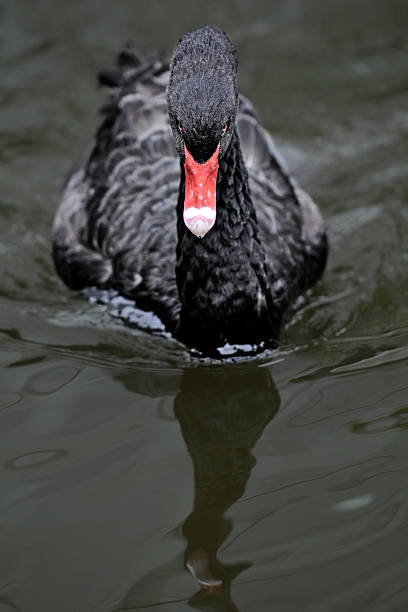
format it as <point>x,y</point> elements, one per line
<point>184,206</point>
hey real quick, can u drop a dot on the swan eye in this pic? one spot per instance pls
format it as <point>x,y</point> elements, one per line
<point>180,127</point>
<point>224,129</point>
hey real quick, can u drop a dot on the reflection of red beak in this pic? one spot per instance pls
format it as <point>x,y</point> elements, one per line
<point>200,194</point>
<point>198,565</point>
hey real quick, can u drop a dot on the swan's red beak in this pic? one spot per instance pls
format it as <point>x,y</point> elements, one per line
<point>200,194</point>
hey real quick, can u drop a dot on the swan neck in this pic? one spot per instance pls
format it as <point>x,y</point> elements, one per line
<point>221,278</point>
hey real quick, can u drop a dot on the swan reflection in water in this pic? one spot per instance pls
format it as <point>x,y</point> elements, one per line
<point>222,413</point>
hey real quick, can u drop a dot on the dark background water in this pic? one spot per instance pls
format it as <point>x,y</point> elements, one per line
<point>122,459</point>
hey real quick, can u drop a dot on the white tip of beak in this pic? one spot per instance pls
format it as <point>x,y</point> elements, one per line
<point>199,221</point>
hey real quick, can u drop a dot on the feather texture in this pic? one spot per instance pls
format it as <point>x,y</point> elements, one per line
<point>120,223</point>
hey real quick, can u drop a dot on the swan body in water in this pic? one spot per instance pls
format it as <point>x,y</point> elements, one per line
<point>184,206</point>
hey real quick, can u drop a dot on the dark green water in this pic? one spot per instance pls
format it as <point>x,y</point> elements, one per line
<point>121,458</point>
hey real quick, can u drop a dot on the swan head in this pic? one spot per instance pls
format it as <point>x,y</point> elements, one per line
<point>202,101</point>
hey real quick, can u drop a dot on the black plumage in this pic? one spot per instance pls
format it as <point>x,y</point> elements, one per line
<point>120,224</point>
